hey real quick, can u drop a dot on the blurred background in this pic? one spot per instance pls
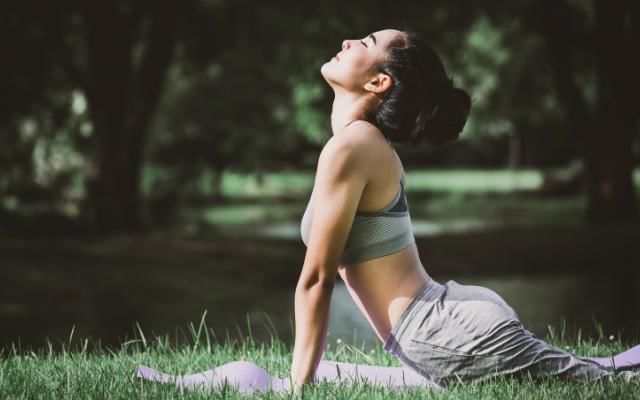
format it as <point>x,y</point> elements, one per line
<point>156,158</point>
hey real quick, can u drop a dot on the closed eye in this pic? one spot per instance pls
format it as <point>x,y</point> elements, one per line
<point>364,44</point>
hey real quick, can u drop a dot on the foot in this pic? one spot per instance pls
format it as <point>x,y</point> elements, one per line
<point>628,359</point>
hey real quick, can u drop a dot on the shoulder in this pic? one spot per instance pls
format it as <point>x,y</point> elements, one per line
<point>352,147</point>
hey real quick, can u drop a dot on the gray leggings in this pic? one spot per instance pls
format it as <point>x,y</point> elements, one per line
<point>451,332</point>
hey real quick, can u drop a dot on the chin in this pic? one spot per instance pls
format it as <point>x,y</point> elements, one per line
<point>325,71</point>
<point>329,73</point>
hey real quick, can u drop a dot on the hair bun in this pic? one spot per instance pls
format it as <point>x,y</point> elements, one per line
<point>422,104</point>
<point>443,122</point>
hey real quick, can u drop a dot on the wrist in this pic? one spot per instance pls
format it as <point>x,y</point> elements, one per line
<point>298,385</point>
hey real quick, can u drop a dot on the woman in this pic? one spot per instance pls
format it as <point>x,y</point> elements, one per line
<point>392,87</point>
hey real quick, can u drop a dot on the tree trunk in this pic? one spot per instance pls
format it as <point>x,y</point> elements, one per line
<point>122,96</point>
<point>607,134</point>
<point>515,151</point>
<point>612,195</point>
<point>114,198</point>
<point>623,194</point>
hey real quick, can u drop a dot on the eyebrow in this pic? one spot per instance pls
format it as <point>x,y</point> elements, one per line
<point>372,38</point>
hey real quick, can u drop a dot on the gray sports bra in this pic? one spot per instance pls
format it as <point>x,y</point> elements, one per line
<point>373,233</point>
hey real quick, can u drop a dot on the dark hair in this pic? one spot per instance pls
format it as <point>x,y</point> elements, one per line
<point>422,103</point>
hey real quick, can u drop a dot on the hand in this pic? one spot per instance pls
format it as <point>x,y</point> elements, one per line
<point>297,390</point>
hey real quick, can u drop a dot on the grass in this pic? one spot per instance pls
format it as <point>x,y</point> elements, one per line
<point>74,371</point>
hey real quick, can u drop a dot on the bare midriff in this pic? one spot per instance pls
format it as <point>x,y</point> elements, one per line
<point>383,287</point>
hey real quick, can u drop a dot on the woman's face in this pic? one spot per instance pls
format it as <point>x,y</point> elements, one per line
<point>355,65</point>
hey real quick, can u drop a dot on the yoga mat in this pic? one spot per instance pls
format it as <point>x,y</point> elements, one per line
<point>626,360</point>
<point>247,377</point>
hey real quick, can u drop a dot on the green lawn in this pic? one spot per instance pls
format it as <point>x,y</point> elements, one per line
<point>438,180</point>
<point>449,180</point>
<point>438,196</point>
<point>75,372</point>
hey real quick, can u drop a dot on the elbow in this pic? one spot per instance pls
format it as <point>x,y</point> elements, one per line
<point>315,281</point>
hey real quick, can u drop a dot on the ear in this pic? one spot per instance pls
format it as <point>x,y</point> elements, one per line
<point>379,83</point>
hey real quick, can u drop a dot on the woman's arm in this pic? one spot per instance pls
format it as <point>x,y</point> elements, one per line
<point>340,180</point>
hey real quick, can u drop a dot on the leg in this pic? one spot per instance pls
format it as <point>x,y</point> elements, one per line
<point>542,359</point>
<point>527,353</point>
<point>469,333</point>
<point>628,359</point>
<point>396,377</point>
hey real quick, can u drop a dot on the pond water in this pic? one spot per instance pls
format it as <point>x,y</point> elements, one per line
<point>48,296</point>
<point>239,311</point>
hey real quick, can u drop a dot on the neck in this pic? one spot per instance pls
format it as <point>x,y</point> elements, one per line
<point>348,107</point>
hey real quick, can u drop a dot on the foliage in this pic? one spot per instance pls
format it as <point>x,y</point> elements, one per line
<point>243,92</point>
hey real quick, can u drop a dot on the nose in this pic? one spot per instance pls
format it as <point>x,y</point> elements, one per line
<point>345,44</point>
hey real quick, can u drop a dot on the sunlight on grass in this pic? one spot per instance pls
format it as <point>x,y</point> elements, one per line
<point>246,214</point>
<point>235,184</point>
<point>450,181</point>
<point>289,183</point>
<point>455,181</point>
<point>438,198</point>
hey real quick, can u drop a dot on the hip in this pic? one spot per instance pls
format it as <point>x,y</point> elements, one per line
<point>462,325</point>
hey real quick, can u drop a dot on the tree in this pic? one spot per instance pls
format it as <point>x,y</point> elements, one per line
<point>608,126</point>
<point>116,54</point>
<point>128,49</point>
